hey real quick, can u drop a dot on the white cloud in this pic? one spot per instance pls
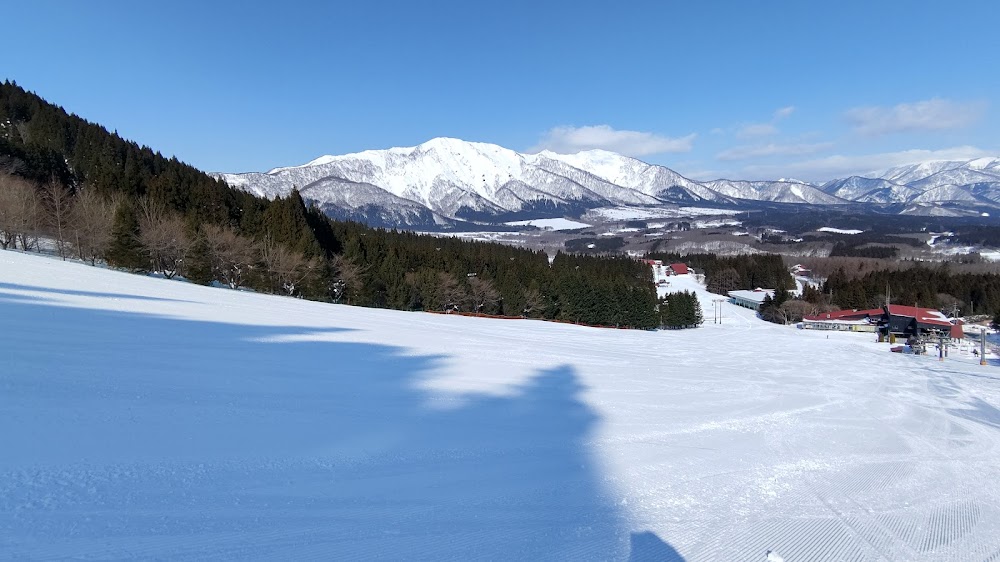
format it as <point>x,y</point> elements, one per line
<point>569,140</point>
<point>929,115</point>
<point>783,112</point>
<point>752,130</point>
<point>841,166</point>
<point>772,149</point>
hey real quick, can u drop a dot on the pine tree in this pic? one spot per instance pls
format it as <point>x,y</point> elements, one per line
<point>198,261</point>
<point>125,250</point>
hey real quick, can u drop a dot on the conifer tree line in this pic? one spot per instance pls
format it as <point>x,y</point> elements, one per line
<point>104,199</point>
<point>733,273</point>
<point>681,310</point>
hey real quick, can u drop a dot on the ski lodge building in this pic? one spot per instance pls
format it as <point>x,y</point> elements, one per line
<point>845,320</point>
<point>662,270</point>
<point>907,321</point>
<point>750,299</point>
<point>901,321</point>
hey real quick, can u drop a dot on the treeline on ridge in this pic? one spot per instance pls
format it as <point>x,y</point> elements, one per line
<point>102,198</point>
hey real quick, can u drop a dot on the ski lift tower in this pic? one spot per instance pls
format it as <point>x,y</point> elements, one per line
<point>717,310</point>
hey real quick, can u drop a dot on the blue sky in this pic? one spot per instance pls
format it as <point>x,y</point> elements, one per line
<point>736,89</point>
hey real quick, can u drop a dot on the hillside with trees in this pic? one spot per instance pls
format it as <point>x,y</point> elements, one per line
<point>732,273</point>
<point>103,199</point>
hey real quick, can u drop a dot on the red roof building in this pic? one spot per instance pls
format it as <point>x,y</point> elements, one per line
<point>913,320</point>
<point>678,268</point>
<point>922,315</point>
<point>891,319</point>
<point>845,320</point>
<point>846,315</point>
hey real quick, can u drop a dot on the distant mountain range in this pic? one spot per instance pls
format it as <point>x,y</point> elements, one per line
<point>445,182</point>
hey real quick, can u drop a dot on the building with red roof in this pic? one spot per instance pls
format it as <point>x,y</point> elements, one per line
<point>895,319</point>
<point>913,321</point>
<point>678,268</point>
<point>844,320</point>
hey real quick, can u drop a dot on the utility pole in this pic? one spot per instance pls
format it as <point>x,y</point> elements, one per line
<point>982,346</point>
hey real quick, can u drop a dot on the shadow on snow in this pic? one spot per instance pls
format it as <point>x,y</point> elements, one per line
<point>78,293</point>
<point>127,435</point>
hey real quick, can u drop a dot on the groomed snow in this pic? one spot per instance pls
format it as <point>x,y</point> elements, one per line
<point>153,419</point>
<point>550,224</point>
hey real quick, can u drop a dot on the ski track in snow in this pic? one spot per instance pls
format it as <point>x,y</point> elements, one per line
<point>145,418</point>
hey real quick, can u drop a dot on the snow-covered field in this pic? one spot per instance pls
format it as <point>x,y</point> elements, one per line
<point>642,213</point>
<point>153,419</point>
<point>550,224</point>
<point>510,238</point>
<point>839,230</point>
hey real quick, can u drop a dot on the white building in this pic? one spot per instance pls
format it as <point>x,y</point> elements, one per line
<point>750,299</point>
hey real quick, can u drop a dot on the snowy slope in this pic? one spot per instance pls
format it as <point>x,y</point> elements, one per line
<point>636,175</point>
<point>948,170</point>
<point>363,202</point>
<point>152,419</point>
<point>868,190</point>
<point>781,191</point>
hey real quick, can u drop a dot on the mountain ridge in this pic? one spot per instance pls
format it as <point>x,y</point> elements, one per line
<point>457,180</point>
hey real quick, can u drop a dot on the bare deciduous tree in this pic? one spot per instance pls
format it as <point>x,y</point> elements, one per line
<point>482,294</point>
<point>20,213</point>
<point>534,301</point>
<point>56,199</point>
<point>166,242</point>
<point>287,269</point>
<point>233,256</point>
<point>794,310</point>
<point>90,220</point>
<point>163,236</point>
<point>450,293</point>
<point>347,279</point>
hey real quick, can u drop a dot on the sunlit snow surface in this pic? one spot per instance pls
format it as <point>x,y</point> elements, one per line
<point>642,213</point>
<point>150,419</point>
<point>839,230</point>
<point>551,224</point>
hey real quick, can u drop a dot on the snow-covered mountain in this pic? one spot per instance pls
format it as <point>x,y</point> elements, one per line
<point>445,181</point>
<point>454,179</point>
<point>868,190</point>
<point>780,191</point>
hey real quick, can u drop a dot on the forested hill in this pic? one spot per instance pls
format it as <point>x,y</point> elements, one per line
<point>104,198</point>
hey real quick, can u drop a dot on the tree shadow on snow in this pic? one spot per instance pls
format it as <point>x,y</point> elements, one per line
<point>136,436</point>
<point>78,293</point>
<point>647,547</point>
